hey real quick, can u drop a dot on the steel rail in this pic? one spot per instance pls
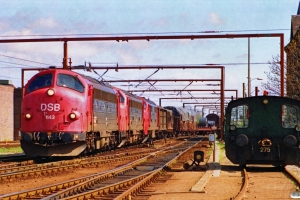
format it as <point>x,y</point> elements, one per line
<point>111,173</point>
<point>42,191</point>
<point>244,187</point>
<point>288,173</point>
<point>38,169</point>
<point>138,187</point>
<point>124,184</point>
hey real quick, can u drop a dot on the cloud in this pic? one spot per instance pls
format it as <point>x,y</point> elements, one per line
<point>217,56</point>
<point>45,22</point>
<point>4,25</point>
<point>161,22</point>
<point>242,57</point>
<point>214,18</point>
<point>18,33</point>
<point>24,23</point>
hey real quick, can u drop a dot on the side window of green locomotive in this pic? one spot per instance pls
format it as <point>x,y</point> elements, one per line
<point>289,116</point>
<point>240,116</point>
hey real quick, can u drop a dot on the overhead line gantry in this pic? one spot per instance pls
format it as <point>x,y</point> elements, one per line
<point>157,37</point>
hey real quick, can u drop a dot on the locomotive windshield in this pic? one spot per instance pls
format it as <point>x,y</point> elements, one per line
<point>40,82</point>
<point>289,116</point>
<point>65,80</point>
<point>240,116</point>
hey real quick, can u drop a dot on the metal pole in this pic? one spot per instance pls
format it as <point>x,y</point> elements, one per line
<point>222,101</point>
<point>65,59</point>
<point>214,157</point>
<point>249,84</point>
<point>244,90</point>
<point>282,64</point>
<point>256,91</point>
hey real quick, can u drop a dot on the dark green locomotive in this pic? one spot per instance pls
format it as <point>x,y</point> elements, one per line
<point>263,130</point>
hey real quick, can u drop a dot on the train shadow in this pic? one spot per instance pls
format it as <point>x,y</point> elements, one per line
<point>253,168</point>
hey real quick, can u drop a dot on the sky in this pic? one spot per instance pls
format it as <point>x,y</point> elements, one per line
<point>96,18</point>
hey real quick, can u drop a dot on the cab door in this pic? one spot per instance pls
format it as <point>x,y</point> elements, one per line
<point>90,106</point>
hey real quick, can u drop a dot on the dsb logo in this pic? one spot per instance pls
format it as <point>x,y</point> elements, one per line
<point>50,107</point>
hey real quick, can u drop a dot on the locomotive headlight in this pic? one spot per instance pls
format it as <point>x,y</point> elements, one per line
<point>232,127</point>
<point>298,127</point>
<point>265,101</point>
<point>74,115</point>
<point>50,92</point>
<point>28,116</point>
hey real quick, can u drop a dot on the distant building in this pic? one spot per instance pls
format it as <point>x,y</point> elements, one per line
<point>7,111</point>
<point>293,56</point>
<point>10,115</point>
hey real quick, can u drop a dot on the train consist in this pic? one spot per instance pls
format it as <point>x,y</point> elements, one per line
<point>65,114</point>
<point>263,130</point>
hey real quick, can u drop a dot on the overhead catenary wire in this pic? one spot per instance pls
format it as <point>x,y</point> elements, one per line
<point>137,33</point>
<point>24,59</point>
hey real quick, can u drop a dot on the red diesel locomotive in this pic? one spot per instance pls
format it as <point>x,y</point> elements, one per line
<point>65,113</point>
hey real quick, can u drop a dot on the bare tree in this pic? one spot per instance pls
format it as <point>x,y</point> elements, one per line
<point>291,79</point>
<point>273,77</point>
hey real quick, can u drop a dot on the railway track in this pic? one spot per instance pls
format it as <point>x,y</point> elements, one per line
<point>262,181</point>
<point>18,166</point>
<point>206,181</point>
<point>13,158</point>
<point>24,170</point>
<point>138,169</point>
<point>226,182</point>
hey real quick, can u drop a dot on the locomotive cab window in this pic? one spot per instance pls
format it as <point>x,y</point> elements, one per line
<point>65,80</point>
<point>289,116</point>
<point>40,82</point>
<point>240,116</point>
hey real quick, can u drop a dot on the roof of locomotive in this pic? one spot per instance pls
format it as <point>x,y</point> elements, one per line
<point>254,101</point>
<point>96,83</point>
<point>149,101</point>
<point>99,84</point>
<point>259,98</point>
<point>132,96</point>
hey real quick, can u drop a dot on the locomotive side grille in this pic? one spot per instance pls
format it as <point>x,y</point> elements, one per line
<point>105,96</point>
<point>136,104</point>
